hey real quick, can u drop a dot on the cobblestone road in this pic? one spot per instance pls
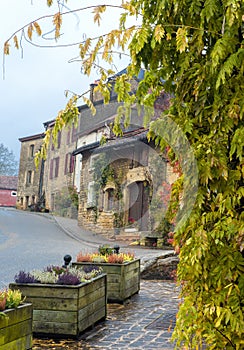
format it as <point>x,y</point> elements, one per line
<point>144,323</point>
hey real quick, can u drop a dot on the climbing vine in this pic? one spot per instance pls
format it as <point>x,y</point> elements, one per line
<point>193,50</point>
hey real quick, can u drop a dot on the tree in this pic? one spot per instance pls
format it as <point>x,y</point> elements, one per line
<point>193,50</point>
<point>8,164</point>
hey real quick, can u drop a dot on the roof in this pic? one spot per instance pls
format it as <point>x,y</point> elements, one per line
<point>8,182</point>
<point>32,137</point>
<point>127,140</point>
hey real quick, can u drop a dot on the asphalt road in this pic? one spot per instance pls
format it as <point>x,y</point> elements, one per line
<point>32,241</point>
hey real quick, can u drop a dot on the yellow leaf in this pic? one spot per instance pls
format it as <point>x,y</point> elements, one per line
<point>181,39</point>
<point>97,11</point>
<point>159,33</point>
<point>57,21</point>
<point>6,48</point>
<point>130,8</point>
<point>37,28</point>
<point>90,105</point>
<point>16,43</point>
<point>29,31</point>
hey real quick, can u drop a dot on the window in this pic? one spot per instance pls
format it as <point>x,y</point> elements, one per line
<point>110,199</point>
<point>58,141</point>
<point>91,194</point>
<point>32,148</point>
<point>29,177</point>
<point>69,163</point>
<point>54,166</point>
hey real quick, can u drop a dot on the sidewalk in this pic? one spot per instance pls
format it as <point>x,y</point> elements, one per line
<point>71,228</point>
<point>144,322</point>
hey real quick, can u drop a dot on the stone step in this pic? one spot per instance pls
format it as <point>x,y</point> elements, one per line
<point>128,237</point>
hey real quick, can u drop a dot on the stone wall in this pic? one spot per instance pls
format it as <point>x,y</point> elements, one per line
<point>29,176</point>
<point>59,172</point>
<point>162,267</point>
<point>96,215</point>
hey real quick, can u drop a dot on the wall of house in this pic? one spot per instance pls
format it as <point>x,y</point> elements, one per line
<point>8,198</point>
<point>29,175</point>
<point>82,141</point>
<point>59,173</point>
<point>98,216</point>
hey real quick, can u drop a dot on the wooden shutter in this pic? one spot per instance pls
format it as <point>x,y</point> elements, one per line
<point>51,169</point>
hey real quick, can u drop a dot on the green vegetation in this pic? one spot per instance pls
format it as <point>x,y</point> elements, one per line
<point>193,50</point>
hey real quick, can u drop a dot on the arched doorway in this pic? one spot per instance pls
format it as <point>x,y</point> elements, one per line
<point>139,203</point>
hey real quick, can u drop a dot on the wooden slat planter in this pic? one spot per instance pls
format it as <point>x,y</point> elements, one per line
<point>66,310</point>
<point>123,280</point>
<point>16,328</point>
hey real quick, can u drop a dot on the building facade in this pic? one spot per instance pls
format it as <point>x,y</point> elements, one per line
<point>8,191</point>
<point>30,178</point>
<point>58,179</point>
<point>123,184</point>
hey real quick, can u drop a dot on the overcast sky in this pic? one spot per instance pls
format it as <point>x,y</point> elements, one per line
<point>32,90</point>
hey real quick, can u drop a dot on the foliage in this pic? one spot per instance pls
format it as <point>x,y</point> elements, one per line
<point>58,275</point>
<point>68,278</point>
<point>105,250</point>
<point>24,277</point>
<point>10,299</point>
<point>66,200</point>
<point>194,51</point>
<point>105,256</point>
<point>8,163</point>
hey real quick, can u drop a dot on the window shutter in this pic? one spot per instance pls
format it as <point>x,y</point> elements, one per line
<point>72,163</point>
<point>66,163</point>
<point>56,166</point>
<point>59,139</point>
<point>51,169</point>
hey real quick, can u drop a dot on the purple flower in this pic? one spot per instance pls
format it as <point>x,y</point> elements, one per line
<point>25,277</point>
<point>68,279</point>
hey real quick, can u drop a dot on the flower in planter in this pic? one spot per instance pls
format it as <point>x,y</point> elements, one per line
<point>10,299</point>
<point>105,258</point>
<point>132,223</point>
<point>58,275</point>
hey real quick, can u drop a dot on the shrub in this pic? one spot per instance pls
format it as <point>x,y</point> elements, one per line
<point>84,257</point>
<point>25,277</point>
<point>10,299</point>
<point>68,278</point>
<point>58,275</point>
<point>111,258</point>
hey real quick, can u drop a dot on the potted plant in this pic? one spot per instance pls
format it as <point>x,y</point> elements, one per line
<point>15,321</point>
<point>66,301</point>
<point>122,269</point>
<point>132,226</point>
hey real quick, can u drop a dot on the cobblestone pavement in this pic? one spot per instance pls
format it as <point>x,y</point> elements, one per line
<point>145,322</point>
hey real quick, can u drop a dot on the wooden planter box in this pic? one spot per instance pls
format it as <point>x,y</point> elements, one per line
<point>123,280</point>
<point>66,310</point>
<point>16,328</point>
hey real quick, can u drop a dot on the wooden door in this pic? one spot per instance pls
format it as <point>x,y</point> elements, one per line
<point>138,209</point>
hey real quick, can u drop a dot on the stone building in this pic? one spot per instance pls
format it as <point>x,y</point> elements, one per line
<point>8,191</point>
<point>58,179</point>
<point>30,178</point>
<point>121,184</point>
